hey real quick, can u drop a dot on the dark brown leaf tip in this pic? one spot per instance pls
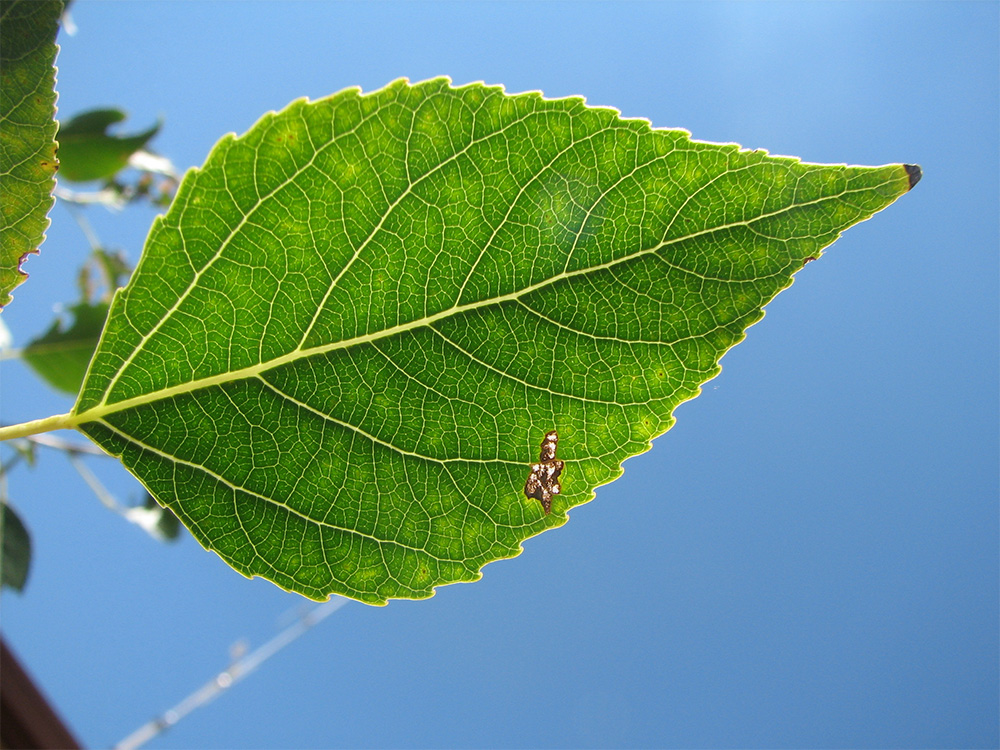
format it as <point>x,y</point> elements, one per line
<point>914,173</point>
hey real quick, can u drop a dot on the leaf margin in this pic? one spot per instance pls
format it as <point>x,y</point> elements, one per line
<point>83,415</point>
<point>34,160</point>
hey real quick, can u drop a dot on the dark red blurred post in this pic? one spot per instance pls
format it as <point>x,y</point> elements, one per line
<point>26,718</point>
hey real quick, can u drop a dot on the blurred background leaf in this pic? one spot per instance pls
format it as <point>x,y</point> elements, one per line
<point>88,152</point>
<point>16,549</point>
<point>60,356</point>
<point>157,521</point>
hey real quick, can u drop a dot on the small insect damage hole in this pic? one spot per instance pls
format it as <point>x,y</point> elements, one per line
<point>543,479</point>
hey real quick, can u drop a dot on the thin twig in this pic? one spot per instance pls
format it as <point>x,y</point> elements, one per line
<point>112,199</point>
<point>107,499</point>
<point>72,201</point>
<point>68,446</point>
<point>5,468</point>
<point>230,676</point>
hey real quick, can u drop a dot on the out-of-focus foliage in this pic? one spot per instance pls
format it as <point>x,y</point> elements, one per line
<point>16,549</point>
<point>60,356</point>
<point>88,152</point>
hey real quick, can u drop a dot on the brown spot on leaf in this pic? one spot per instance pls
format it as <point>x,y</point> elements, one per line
<point>543,480</point>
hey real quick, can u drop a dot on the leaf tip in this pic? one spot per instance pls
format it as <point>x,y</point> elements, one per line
<point>914,172</point>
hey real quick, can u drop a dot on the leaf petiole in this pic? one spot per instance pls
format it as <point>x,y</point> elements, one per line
<point>36,426</point>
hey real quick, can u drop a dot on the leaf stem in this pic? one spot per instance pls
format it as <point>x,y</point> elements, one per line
<point>35,426</point>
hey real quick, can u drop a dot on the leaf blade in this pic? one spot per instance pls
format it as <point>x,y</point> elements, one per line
<point>27,132</point>
<point>16,549</point>
<point>372,437</point>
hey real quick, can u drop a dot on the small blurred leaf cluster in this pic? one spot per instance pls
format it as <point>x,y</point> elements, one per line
<point>15,554</point>
<point>127,173</point>
<point>60,356</point>
<point>89,153</point>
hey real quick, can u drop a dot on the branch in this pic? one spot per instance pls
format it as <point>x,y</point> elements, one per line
<point>229,677</point>
<point>67,446</point>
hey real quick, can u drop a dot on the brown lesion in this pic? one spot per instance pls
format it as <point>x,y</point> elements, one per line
<point>543,480</point>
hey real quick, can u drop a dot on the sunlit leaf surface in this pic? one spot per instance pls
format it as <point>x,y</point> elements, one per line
<point>346,341</point>
<point>27,131</point>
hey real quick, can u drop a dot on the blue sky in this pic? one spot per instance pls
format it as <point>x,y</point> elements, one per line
<point>808,559</point>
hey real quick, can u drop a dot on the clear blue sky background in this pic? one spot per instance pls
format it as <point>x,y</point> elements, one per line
<point>808,559</point>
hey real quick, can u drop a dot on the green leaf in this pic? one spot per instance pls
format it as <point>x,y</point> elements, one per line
<point>88,152</point>
<point>16,549</point>
<point>27,131</point>
<point>344,343</point>
<point>155,520</point>
<point>25,450</point>
<point>61,355</point>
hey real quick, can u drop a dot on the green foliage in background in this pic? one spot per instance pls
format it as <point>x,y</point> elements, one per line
<point>61,355</point>
<point>88,152</point>
<point>15,554</point>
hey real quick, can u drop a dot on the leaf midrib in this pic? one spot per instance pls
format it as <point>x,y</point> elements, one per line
<point>260,201</point>
<point>104,409</point>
